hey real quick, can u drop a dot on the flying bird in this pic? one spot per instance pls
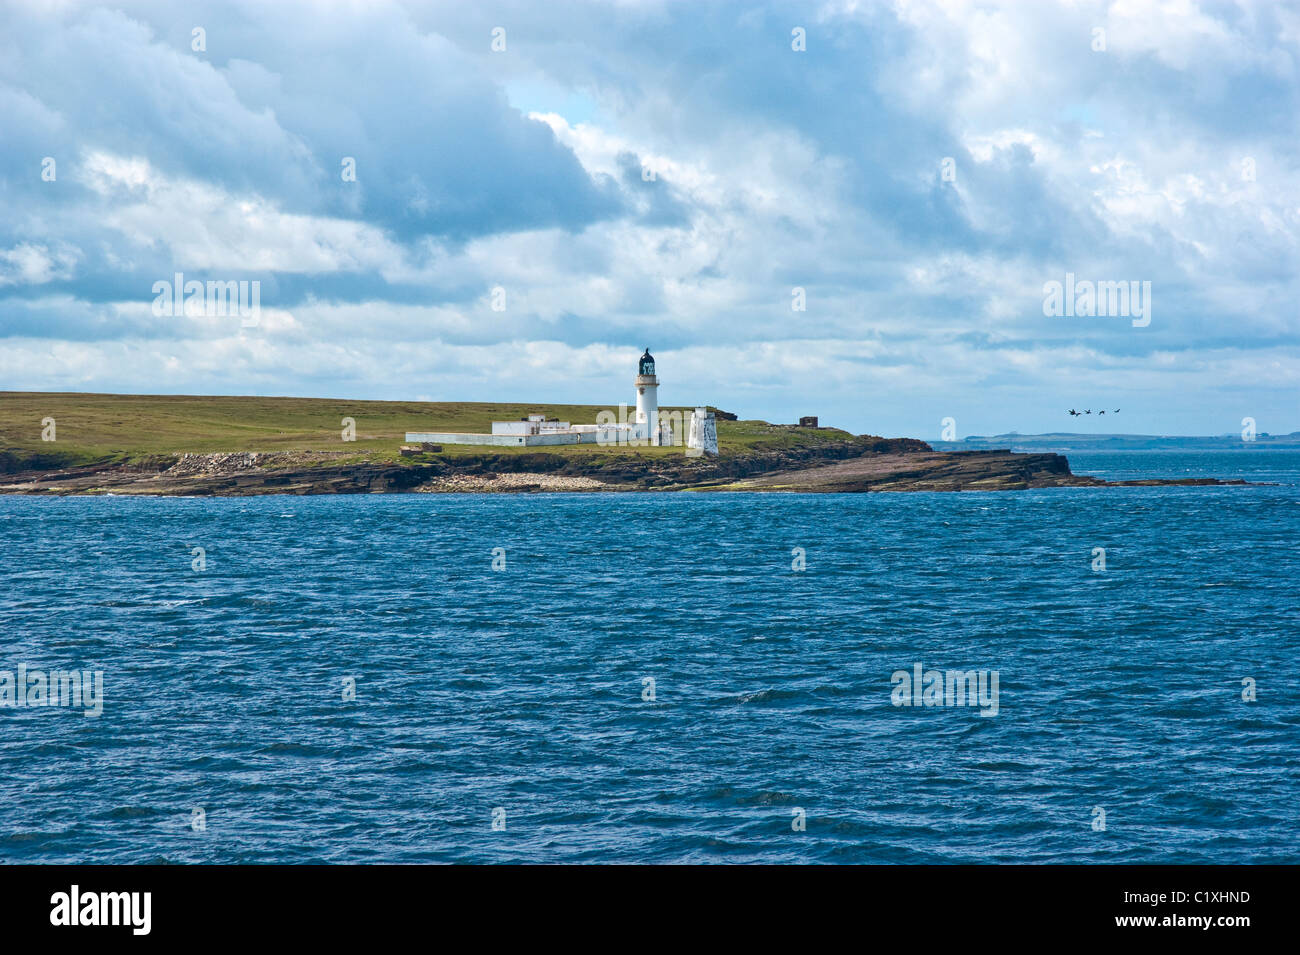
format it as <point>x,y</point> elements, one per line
<point>1072,412</point>
<point>1103,411</point>
<point>1089,411</point>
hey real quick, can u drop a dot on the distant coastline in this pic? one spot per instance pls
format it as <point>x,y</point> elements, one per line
<point>1063,442</point>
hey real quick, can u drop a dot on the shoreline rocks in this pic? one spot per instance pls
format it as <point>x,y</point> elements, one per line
<point>896,466</point>
<point>999,470</point>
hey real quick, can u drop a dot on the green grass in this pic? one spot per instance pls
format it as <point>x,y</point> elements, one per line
<point>97,427</point>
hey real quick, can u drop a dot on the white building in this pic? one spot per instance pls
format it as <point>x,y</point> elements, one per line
<point>646,426</point>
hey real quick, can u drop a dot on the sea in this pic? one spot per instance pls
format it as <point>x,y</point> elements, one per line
<point>661,677</point>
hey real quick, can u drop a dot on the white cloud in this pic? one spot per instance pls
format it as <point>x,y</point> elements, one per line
<point>773,170</point>
<point>31,264</point>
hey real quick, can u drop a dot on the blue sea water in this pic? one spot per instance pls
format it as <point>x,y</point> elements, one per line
<point>522,689</point>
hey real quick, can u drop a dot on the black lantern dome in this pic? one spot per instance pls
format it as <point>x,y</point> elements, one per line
<point>647,366</point>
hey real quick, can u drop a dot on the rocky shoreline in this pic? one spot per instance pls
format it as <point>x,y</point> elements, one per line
<point>894,466</point>
<point>949,471</point>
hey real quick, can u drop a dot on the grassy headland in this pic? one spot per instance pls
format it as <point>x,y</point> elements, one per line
<point>94,427</point>
<point>199,445</point>
<point>102,432</point>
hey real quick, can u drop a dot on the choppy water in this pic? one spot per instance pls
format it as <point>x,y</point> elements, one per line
<point>523,688</point>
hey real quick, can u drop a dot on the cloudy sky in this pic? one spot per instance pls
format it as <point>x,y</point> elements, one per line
<point>664,174</point>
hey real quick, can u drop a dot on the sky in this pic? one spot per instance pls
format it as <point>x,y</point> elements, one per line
<point>845,209</point>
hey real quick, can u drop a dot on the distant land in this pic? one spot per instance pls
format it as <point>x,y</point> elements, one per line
<point>188,445</point>
<point>1062,442</point>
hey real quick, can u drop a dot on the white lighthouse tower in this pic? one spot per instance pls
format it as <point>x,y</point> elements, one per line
<point>647,398</point>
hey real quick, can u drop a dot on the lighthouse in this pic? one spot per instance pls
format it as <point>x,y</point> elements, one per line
<point>647,398</point>
<point>674,427</point>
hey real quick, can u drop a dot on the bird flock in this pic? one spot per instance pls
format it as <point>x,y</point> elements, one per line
<point>1074,413</point>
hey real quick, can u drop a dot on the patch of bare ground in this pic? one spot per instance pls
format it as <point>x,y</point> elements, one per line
<point>510,483</point>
